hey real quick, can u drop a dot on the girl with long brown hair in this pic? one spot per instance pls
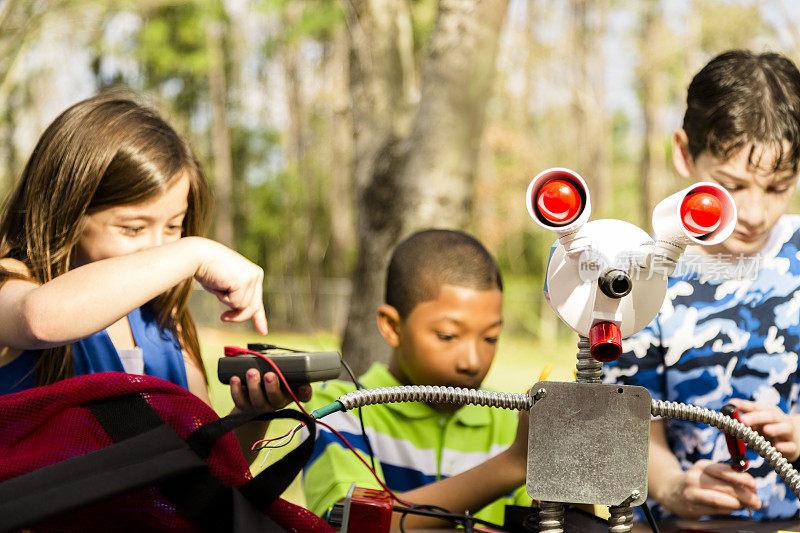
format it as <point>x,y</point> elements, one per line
<point>99,245</point>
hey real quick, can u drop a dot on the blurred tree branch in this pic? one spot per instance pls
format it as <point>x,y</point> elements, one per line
<point>20,21</point>
<point>589,27</point>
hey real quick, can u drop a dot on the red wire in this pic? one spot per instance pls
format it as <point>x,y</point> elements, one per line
<point>339,435</point>
<point>375,474</point>
<point>290,432</point>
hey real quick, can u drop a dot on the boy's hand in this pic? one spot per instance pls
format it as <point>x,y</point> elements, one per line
<point>519,448</point>
<point>709,488</point>
<point>251,395</point>
<point>516,455</point>
<point>782,430</point>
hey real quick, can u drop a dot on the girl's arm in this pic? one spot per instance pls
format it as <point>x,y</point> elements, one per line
<point>89,298</point>
<point>196,380</point>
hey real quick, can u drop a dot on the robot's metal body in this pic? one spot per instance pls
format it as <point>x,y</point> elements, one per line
<point>606,279</point>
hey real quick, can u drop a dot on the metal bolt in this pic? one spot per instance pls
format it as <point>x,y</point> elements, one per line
<point>541,393</point>
<point>630,499</point>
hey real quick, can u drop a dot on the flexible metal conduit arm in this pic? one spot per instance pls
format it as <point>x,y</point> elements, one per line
<point>425,393</point>
<point>730,426</point>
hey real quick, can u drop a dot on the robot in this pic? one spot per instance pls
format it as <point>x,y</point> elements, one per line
<point>606,280</point>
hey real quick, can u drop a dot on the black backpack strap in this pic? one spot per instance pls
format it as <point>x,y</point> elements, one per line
<point>271,482</point>
<point>268,485</point>
<point>202,439</point>
<point>156,454</point>
<point>198,495</point>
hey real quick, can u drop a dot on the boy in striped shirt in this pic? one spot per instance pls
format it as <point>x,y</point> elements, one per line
<point>442,318</point>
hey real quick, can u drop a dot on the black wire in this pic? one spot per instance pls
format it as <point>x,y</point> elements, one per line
<point>406,510</point>
<point>650,519</point>
<point>444,514</point>
<point>360,418</point>
<point>261,347</point>
<point>402,522</point>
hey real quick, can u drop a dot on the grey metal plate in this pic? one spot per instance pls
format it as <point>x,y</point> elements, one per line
<point>588,443</point>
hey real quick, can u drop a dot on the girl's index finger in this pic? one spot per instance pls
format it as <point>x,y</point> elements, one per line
<point>260,321</point>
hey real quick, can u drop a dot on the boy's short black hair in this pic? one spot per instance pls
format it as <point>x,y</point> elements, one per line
<point>741,98</point>
<point>428,259</point>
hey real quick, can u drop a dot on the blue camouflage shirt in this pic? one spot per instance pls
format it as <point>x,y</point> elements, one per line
<point>729,328</point>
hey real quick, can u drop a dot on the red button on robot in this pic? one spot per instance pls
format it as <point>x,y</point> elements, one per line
<point>701,213</point>
<point>559,202</point>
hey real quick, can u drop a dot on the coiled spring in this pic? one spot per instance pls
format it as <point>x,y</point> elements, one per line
<point>425,393</point>
<point>551,517</point>
<point>730,426</point>
<point>588,369</point>
<point>620,519</point>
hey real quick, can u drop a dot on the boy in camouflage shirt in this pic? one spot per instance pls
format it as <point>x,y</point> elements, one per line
<point>729,330</point>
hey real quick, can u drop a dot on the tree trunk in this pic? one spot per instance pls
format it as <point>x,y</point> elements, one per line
<point>223,172</point>
<point>11,164</point>
<point>412,176</point>
<point>654,178</point>
<point>593,144</point>
<point>693,45</point>
<point>295,259</point>
<point>438,174</point>
<point>341,199</point>
<point>19,23</point>
<point>381,85</point>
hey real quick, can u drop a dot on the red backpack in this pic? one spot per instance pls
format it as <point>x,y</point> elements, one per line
<point>122,452</point>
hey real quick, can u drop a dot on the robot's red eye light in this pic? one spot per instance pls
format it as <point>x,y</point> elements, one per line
<point>559,202</point>
<point>701,213</point>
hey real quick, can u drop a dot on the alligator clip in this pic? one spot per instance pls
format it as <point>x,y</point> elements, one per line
<point>736,447</point>
<point>231,351</point>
